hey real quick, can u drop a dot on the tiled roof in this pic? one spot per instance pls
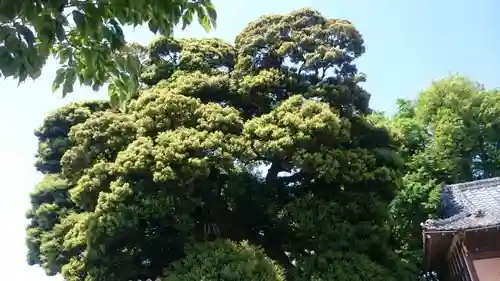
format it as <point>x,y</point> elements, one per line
<point>468,205</point>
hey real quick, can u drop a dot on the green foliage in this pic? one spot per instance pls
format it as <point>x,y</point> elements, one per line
<point>53,134</point>
<point>449,134</point>
<point>268,141</point>
<point>342,266</point>
<point>224,260</point>
<point>464,120</point>
<point>87,38</point>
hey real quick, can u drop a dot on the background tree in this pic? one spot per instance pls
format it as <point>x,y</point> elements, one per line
<point>463,118</point>
<point>85,36</point>
<point>449,134</point>
<point>257,158</point>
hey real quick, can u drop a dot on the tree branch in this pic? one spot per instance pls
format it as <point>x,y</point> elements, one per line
<point>272,173</point>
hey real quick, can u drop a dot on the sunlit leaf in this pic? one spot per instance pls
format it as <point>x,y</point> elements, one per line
<point>82,32</point>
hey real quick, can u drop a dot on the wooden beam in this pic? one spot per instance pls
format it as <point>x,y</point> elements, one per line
<point>469,264</point>
<point>453,245</point>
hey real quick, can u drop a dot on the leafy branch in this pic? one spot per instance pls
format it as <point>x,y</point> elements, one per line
<point>85,36</point>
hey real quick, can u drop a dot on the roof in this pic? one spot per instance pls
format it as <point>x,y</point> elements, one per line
<point>468,205</point>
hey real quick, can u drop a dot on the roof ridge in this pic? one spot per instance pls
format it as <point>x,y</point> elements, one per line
<point>473,184</point>
<point>442,222</point>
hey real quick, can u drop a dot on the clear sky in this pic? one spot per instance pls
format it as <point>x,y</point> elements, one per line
<point>409,43</point>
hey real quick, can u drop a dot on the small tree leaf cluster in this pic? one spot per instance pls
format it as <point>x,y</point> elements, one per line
<point>87,39</point>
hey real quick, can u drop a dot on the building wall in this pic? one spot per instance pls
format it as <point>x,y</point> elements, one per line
<point>475,256</point>
<point>482,241</point>
<point>487,269</point>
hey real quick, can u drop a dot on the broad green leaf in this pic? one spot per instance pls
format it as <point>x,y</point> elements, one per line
<point>22,75</point>
<point>89,57</point>
<point>187,18</point>
<point>133,64</point>
<point>153,26</point>
<point>11,68</point>
<point>120,63</point>
<point>203,19</point>
<point>35,74</point>
<point>205,23</point>
<point>114,98</point>
<point>27,34</point>
<point>59,79</point>
<point>4,56</point>
<point>6,31</point>
<point>60,34</point>
<point>78,18</point>
<point>123,99</point>
<point>12,42</point>
<point>65,54</point>
<point>212,14</point>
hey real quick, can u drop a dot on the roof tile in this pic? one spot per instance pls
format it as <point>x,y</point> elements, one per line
<point>468,205</point>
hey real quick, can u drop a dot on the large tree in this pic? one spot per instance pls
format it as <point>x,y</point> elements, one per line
<point>252,161</point>
<point>87,38</point>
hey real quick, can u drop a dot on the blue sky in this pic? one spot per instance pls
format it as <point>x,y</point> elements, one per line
<point>409,43</point>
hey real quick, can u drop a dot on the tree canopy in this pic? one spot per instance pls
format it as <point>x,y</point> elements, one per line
<point>258,158</point>
<point>87,38</point>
